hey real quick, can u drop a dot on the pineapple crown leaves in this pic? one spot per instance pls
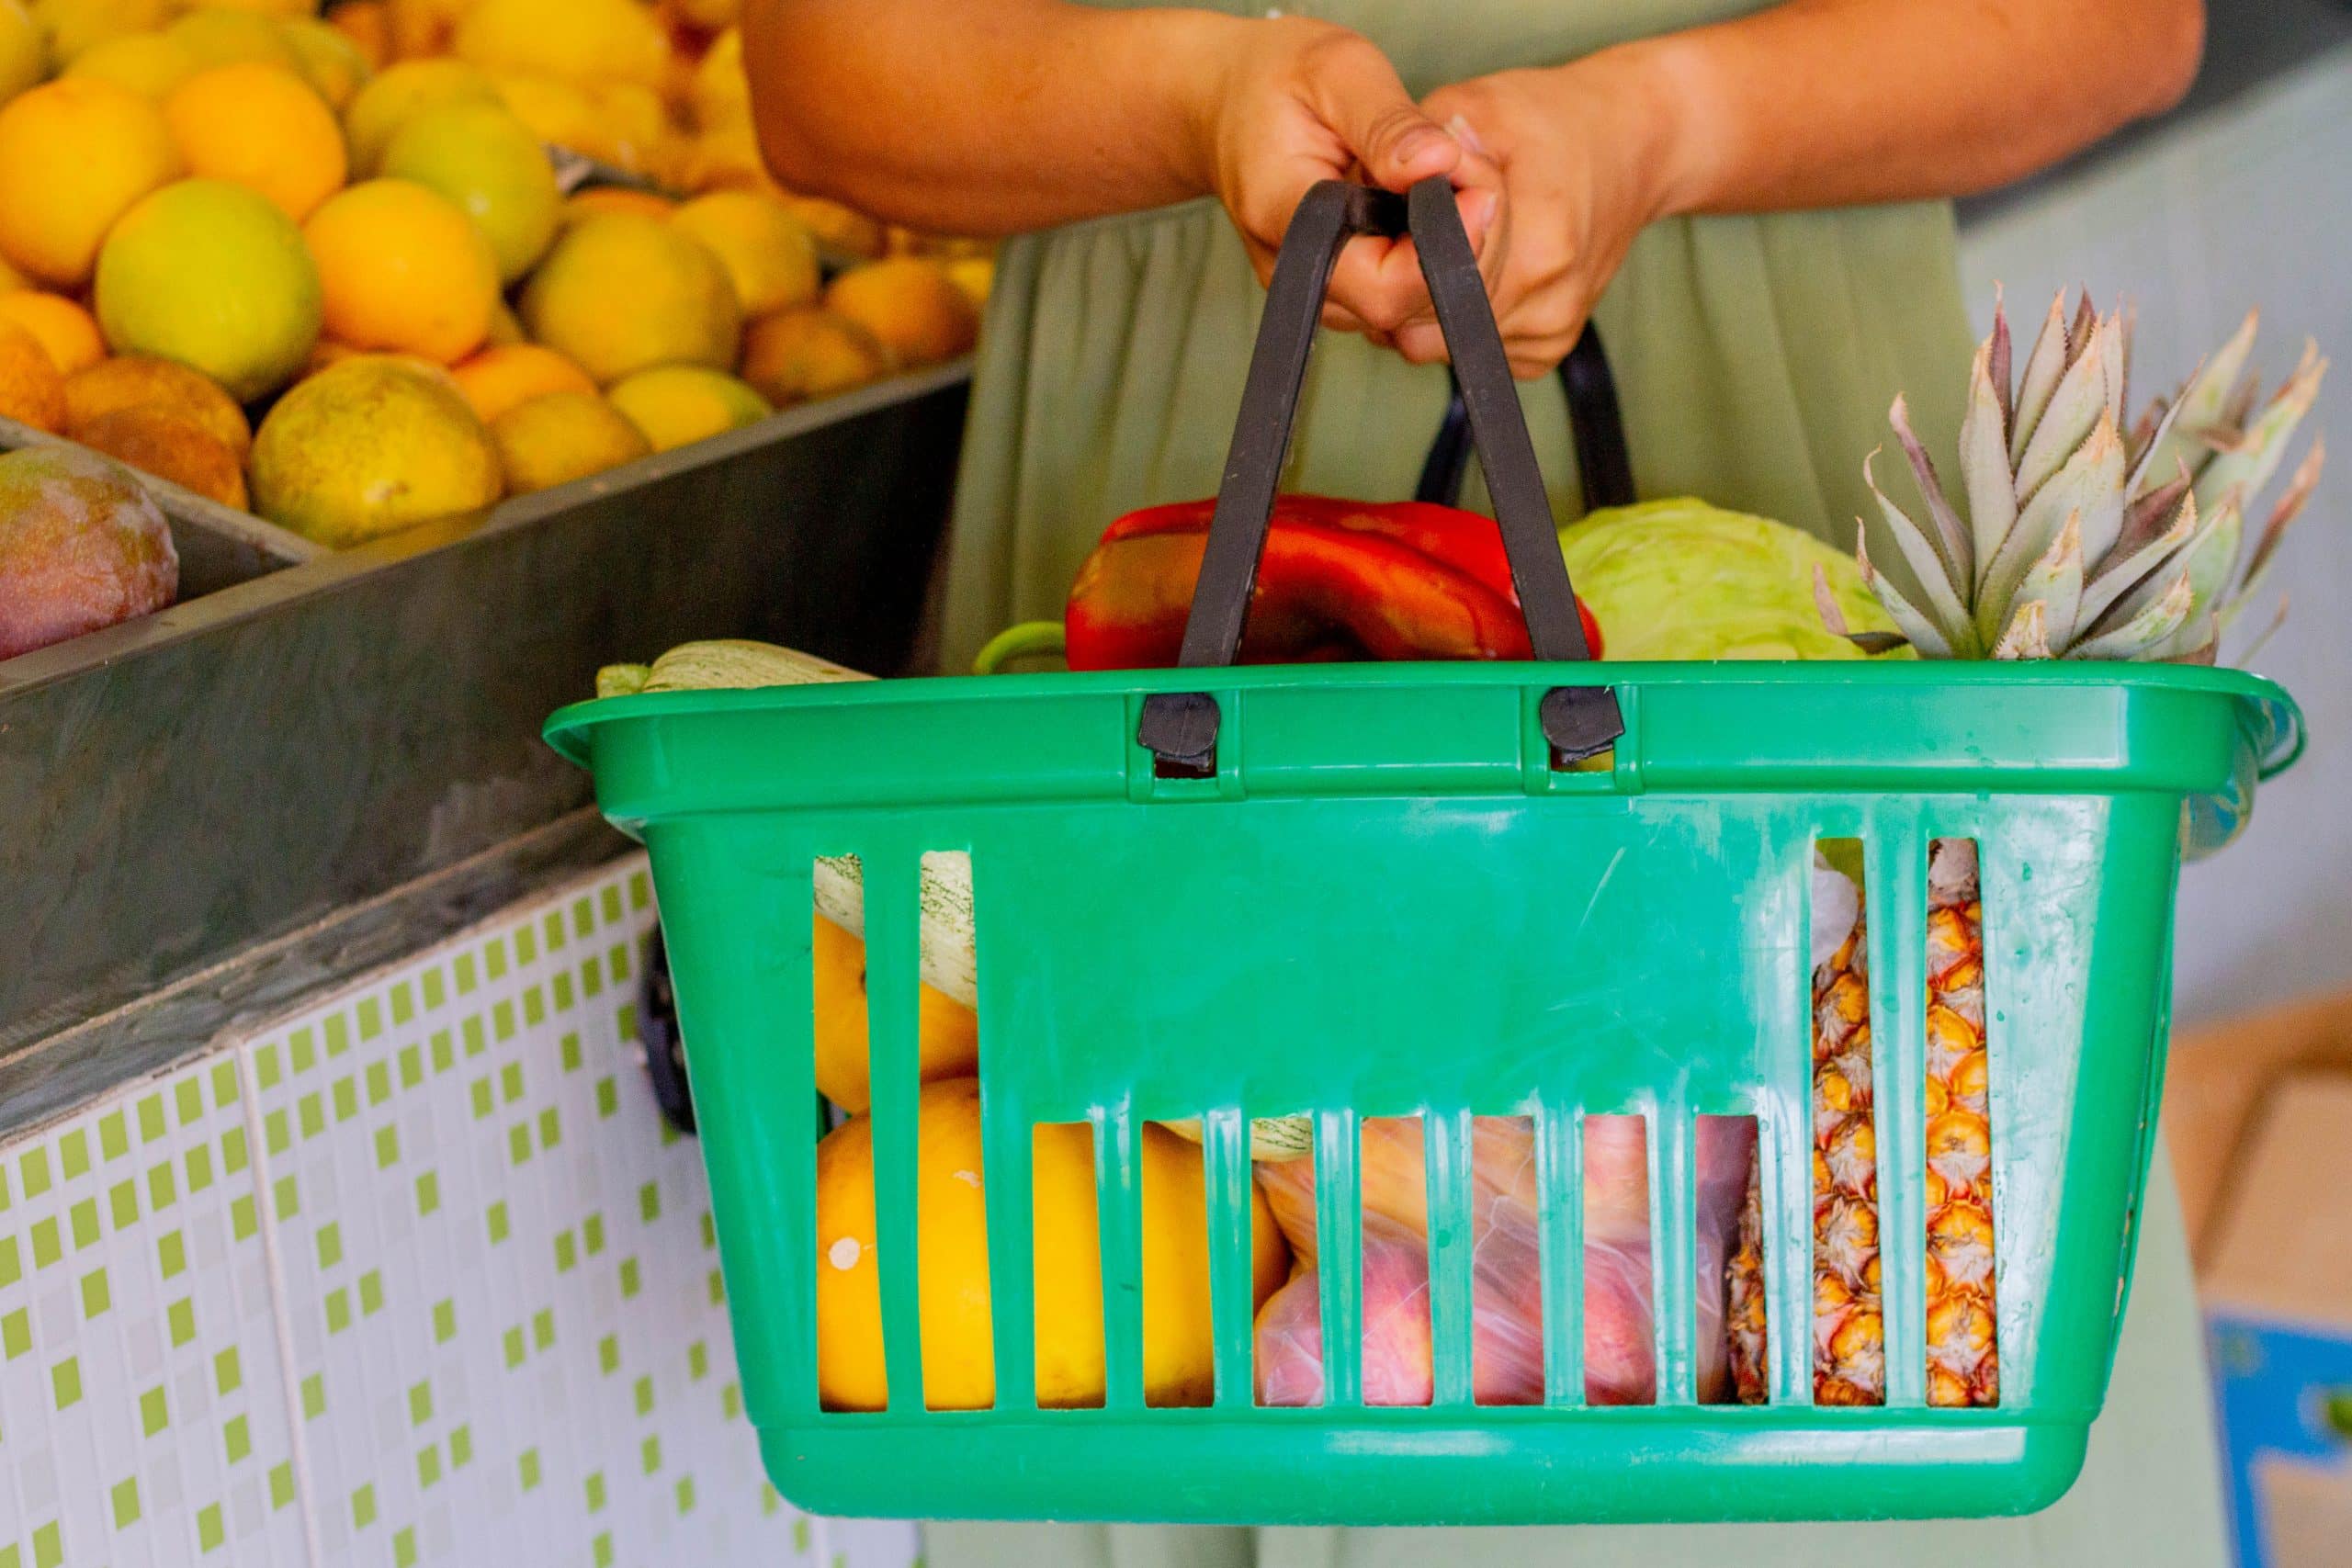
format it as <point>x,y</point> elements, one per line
<point>2087,537</point>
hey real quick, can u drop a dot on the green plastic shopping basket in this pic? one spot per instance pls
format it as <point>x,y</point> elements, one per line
<point>1383,890</point>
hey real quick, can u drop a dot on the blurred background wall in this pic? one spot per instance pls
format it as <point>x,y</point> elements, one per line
<point>2240,198</point>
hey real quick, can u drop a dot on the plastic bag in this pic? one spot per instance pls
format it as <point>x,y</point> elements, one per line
<point>1506,1313</point>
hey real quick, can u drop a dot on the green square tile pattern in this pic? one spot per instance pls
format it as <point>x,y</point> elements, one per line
<point>490,1267</point>
<point>520,1373</point>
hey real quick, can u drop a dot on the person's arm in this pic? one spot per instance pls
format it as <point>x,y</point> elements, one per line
<point>988,117</point>
<point>1812,103</point>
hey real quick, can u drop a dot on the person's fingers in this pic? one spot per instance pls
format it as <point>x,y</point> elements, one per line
<point>1422,344</point>
<point>1359,95</point>
<point>1380,281</point>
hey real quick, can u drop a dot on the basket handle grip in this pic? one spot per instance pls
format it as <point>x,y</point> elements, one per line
<point>1179,729</point>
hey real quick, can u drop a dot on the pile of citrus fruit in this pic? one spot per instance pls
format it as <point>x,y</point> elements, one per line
<point>321,267</point>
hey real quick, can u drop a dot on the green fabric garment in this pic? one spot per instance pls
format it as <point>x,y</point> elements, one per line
<point>1755,358</point>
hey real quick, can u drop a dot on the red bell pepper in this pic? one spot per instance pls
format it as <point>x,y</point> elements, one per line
<point>1339,581</point>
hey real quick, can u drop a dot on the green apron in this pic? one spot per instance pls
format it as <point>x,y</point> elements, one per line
<point>1755,357</point>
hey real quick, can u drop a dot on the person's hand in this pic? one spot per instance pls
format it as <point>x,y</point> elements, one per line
<point>1300,101</point>
<point>1585,160</point>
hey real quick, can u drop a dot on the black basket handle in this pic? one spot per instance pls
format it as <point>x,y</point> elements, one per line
<point>1179,729</point>
<point>1604,469</point>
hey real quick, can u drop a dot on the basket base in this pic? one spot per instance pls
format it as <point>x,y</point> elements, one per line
<point>1176,1467</point>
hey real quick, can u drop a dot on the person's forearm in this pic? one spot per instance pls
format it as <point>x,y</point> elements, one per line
<point>1819,103</point>
<point>985,116</point>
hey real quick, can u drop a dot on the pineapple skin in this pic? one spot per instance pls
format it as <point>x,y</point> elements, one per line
<point>1848,1323</point>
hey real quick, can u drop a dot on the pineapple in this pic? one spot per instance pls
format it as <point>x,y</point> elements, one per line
<point>2082,540</point>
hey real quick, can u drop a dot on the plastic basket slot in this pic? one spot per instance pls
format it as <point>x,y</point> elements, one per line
<point>1674,1177</point>
<point>1225,1153</point>
<point>1950,1235</point>
<point>1118,1209</point>
<point>1338,1232</point>
<point>1896,901</point>
<point>892,940</point>
<point>1559,1180</point>
<point>1446,1160</point>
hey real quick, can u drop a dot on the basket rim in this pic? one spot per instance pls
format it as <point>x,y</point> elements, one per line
<point>2273,717</point>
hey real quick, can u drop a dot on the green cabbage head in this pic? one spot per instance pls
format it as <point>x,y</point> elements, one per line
<point>1680,580</point>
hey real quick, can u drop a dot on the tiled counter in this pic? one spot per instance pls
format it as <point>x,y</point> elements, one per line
<point>416,1276</point>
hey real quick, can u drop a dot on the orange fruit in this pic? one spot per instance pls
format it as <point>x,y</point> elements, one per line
<point>32,390</point>
<point>795,355</point>
<point>260,126</point>
<point>76,154</point>
<point>974,275</point>
<point>947,1035</point>
<point>402,269</point>
<point>769,255</point>
<point>132,382</point>
<point>149,64</point>
<point>958,1357</point>
<point>596,199</point>
<point>419,28</point>
<point>377,110</point>
<point>507,375</point>
<point>910,304</point>
<point>678,404</point>
<point>220,35</point>
<point>58,325</point>
<point>158,443</point>
<point>330,62</point>
<point>557,437</point>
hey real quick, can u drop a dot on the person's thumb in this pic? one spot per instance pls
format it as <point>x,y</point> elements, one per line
<point>1366,104</point>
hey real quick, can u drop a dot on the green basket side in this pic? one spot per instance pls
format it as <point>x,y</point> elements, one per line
<point>1382,908</point>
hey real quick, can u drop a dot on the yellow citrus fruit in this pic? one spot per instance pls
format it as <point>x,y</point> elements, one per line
<point>504,325</point>
<point>262,127</point>
<point>284,11</point>
<point>157,442</point>
<point>385,104</point>
<point>974,275</point>
<point>370,445</point>
<point>677,404</point>
<point>769,255</point>
<point>24,58</point>
<point>130,381</point>
<point>911,305</point>
<point>631,131</point>
<point>482,158</point>
<point>948,1034</point>
<point>149,64</point>
<point>331,62</point>
<point>73,28</point>
<point>369,24</point>
<point>577,41</point>
<point>839,228</point>
<point>795,355</point>
<point>32,390</point>
<point>557,437</point>
<point>595,200</point>
<point>214,276</point>
<point>58,325</point>
<point>557,113</point>
<point>505,376</point>
<point>718,92</point>
<point>620,293</point>
<point>404,270</point>
<point>726,157</point>
<point>951,1246</point>
<point>219,36</point>
<point>74,155</point>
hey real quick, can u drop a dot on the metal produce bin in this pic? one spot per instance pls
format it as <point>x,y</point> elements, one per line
<point>296,740</point>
